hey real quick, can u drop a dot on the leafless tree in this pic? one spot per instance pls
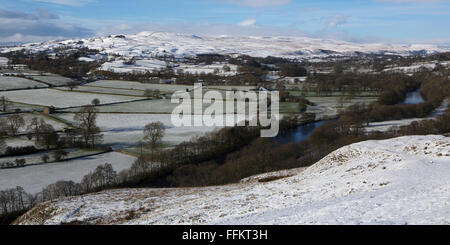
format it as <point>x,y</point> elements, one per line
<point>2,145</point>
<point>14,123</point>
<point>103,176</point>
<point>87,121</point>
<point>61,189</point>
<point>4,103</point>
<point>60,154</point>
<point>72,85</point>
<point>95,102</point>
<point>154,132</point>
<point>47,135</point>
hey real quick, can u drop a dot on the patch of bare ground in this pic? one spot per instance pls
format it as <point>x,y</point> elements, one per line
<point>273,178</point>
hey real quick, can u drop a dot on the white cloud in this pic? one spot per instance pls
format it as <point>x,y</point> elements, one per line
<point>259,3</point>
<point>247,22</point>
<point>16,26</point>
<point>196,28</point>
<point>336,20</point>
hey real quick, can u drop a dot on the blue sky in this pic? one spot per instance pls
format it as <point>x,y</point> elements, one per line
<point>425,21</point>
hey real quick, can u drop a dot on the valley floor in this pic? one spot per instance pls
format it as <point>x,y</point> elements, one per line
<point>403,180</point>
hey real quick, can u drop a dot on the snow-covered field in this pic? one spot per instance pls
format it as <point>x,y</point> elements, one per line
<point>7,83</point>
<point>140,86</point>
<point>36,158</point>
<point>147,65</point>
<point>122,130</point>
<point>329,106</point>
<point>53,79</point>
<point>403,180</point>
<point>219,67</point>
<point>417,67</point>
<point>34,178</point>
<point>3,61</point>
<point>61,99</point>
<point>102,90</point>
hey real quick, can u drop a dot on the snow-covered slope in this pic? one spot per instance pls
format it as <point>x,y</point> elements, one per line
<point>152,44</point>
<point>403,180</point>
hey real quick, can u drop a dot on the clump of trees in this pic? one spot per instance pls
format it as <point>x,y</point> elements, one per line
<point>14,202</point>
<point>17,163</point>
<point>65,64</point>
<point>44,134</point>
<point>292,70</point>
<point>12,124</point>
<point>103,176</point>
<point>61,189</point>
<point>150,93</point>
<point>20,150</point>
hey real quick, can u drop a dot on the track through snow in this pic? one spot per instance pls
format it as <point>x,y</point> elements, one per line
<point>403,180</point>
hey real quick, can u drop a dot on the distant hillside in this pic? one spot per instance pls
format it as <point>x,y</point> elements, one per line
<point>403,180</point>
<point>149,45</point>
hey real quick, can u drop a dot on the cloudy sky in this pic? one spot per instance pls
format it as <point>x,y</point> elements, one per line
<point>395,21</point>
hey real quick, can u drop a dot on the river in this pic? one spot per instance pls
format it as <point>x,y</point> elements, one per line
<point>413,97</point>
<point>298,134</point>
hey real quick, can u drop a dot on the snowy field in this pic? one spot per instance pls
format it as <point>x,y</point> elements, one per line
<point>7,83</point>
<point>155,106</point>
<point>150,65</point>
<point>330,106</point>
<point>102,90</point>
<point>34,178</point>
<point>417,67</point>
<point>147,65</point>
<point>61,99</point>
<point>19,141</point>
<point>36,158</point>
<point>403,180</point>
<point>140,86</point>
<point>53,79</point>
<point>209,69</point>
<point>3,61</point>
<point>123,130</point>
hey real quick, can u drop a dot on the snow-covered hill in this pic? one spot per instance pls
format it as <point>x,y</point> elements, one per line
<point>403,180</point>
<point>151,44</point>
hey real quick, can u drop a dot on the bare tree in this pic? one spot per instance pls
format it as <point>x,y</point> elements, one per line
<point>48,135</point>
<point>72,85</point>
<point>60,154</point>
<point>148,93</point>
<point>14,123</point>
<point>45,158</point>
<point>35,127</point>
<point>2,145</point>
<point>154,132</point>
<point>103,176</point>
<point>95,102</point>
<point>87,121</point>
<point>61,189</point>
<point>4,103</point>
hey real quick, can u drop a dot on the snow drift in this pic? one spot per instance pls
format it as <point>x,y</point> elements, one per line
<point>403,180</point>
